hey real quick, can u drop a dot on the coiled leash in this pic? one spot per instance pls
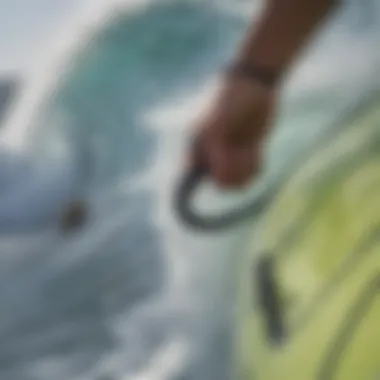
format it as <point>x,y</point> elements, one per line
<point>183,205</point>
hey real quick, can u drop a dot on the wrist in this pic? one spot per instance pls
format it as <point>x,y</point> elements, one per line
<point>255,73</point>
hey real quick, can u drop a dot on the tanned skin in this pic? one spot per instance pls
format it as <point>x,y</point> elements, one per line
<point>233,129</point>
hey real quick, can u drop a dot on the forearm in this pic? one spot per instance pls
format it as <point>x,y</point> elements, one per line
<point>282,31</point>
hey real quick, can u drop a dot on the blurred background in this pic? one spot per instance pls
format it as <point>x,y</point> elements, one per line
<point>96,100</point>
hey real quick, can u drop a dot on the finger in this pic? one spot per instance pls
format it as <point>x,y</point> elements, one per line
<point>234,168</point>
<point>196,156</point>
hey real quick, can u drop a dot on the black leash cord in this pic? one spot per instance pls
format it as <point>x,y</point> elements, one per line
<point>184,194</point>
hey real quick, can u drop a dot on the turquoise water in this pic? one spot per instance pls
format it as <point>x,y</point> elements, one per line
<point>135,295</point>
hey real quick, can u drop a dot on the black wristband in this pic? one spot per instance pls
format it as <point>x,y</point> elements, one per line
<point>250,71</point>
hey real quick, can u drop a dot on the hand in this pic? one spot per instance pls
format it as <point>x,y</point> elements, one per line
<point>232,132</point>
